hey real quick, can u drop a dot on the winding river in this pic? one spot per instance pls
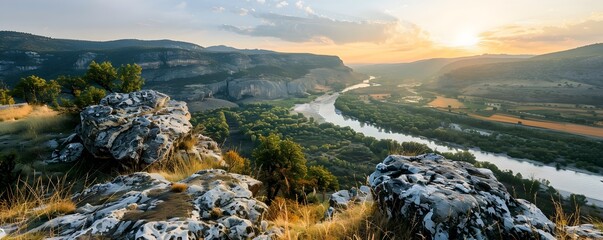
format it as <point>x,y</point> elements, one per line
<point>566,181</point>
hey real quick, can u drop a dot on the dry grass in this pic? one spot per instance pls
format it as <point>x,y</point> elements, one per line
<point>15,112</point>
<point>31,127</point>
<point>562,220</point>
<point>33,200</point>
<point>443,102</point>
<point>181,166</point>
<point>361,221</point>
<point>557,126</point>
<point>179,187</point>
<point>27,236</point>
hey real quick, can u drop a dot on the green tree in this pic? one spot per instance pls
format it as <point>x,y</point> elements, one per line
<point>90,96</point>
<point>30,88</point>
<point>129,76</point>
<point>281,164</point>
<point>5,97</point>
<point>322,179</point>
<point>103,74</point>
<point>72,85</point>
<point>51,92</point>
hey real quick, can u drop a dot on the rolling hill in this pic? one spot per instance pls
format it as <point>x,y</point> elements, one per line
<point>428,69</point>
<point>573,76</point>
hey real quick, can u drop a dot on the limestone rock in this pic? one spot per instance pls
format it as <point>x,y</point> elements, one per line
<point>216,205</point>
<point>454,200</point>
<point>584,231</point>
<point>136,129</point>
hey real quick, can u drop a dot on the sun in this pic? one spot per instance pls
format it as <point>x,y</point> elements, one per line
<point>465,39</point>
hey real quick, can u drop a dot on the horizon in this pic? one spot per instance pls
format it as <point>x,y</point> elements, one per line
<point>364,33</point>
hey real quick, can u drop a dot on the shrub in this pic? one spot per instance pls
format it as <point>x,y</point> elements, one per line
<point>179,187</point>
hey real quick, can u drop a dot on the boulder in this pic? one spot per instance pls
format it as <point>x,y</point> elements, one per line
<point>454,200</point>
<point>214,205</point>
<point>136,129</point>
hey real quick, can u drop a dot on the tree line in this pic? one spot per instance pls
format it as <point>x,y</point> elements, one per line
<point>515,141</point>
<point>76,91</point>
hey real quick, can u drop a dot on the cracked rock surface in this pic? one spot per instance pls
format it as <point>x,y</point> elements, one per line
<point>136,129</point>
<point>214,205</point>
<point>454,200</point>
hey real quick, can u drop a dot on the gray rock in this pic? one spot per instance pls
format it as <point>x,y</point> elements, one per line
<point>136,129</point>
<point>340,199</point>
<point>70,153</point>
<point>215,205</point>
<point>52,144</point>
<point>454,200</point>
<point>587,231</point>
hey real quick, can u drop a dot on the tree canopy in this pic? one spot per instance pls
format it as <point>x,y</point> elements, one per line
<point>84,90</point>
<point>36,90</point>
<point>103,74</point>
<point>5,97</point>
<point>280,163</point>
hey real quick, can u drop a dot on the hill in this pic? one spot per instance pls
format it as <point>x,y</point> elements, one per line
<point>28,42</point>
<point>572,76</point>
<point>427,69</point>
<point>184,70</point>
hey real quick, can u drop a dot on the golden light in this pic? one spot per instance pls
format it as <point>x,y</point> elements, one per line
<point>465,39</point>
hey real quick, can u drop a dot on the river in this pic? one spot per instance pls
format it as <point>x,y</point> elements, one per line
<point>322,109</point>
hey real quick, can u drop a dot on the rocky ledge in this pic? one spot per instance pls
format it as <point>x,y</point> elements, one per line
<point>210,204</point>
<point>454,200</point>
<point>137,128</point>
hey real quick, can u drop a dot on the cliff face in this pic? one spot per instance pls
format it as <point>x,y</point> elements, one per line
<point>180,70</point>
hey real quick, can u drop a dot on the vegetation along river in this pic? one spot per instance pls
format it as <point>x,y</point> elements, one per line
<point>566,181</point>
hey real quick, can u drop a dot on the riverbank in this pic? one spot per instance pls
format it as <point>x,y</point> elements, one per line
<point>572,180</point>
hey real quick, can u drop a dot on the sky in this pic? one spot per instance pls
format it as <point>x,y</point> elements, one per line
<point>358,31</point>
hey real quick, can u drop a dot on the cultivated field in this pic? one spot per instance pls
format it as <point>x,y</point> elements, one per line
<point>563,127</point>
<point>443,102</point>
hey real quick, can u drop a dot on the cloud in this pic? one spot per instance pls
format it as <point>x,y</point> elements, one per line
<point>543,38</point>
<point>243,12</point>
<point>307,9</point>
<point>318,28</point>
<point>261,1</point>
<point>218,9</point>
<point>282,4</point>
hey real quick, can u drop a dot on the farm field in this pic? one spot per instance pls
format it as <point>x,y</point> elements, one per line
<point>557,126</point>
<point>443,102</point>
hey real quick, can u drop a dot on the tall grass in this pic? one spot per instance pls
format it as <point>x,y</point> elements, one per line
<point>563,219</point>
<point>359,221</point>
<point>181,166</point>
<point>33,126</point>
<point>15,112</point>
<point>35,200</point>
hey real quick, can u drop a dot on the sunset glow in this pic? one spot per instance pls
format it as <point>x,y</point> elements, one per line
<point>362,32</point>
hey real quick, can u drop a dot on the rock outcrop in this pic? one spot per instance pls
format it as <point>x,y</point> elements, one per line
<point>454,200</point>
<point>211,204</point>
<point>137,128</point>
<point>343,199</point>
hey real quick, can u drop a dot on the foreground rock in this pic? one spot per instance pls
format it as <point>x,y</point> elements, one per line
<point>211,204</point>
<point>344,198</point>
<point>136,129</point>
<point>584,231</point>
<point>454,200</point>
